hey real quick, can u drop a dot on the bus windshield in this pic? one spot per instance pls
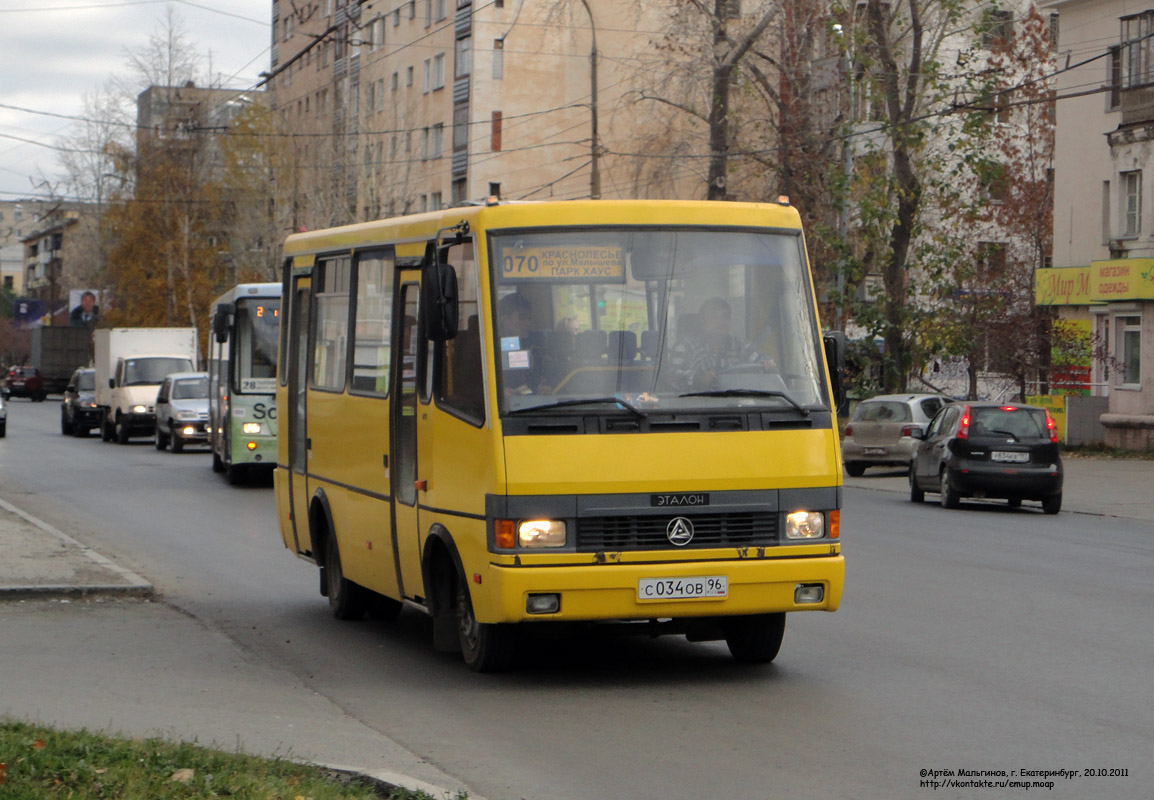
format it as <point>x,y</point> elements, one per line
<point>655,320</point>
<point>257,320</point>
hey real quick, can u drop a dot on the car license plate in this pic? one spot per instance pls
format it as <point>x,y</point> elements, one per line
<point>1013,458</point>
<point>710,587</point>
<point>875,451</point>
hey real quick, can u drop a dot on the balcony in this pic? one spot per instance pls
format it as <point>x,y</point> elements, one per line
<point>1138,105</point>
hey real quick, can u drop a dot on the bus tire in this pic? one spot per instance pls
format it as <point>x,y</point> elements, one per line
<point>347,600</point>
<point>755,639</point>
<point>484,647</point>
<point>234,473</point>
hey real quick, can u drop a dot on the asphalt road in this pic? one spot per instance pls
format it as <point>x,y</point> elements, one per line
<point>984,639</point>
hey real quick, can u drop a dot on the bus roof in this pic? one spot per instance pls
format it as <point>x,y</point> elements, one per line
<point>242,290</point>
<point>418,228</point>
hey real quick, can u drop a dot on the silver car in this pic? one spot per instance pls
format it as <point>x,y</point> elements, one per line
<point>880,433</point>
<point>182,410</point>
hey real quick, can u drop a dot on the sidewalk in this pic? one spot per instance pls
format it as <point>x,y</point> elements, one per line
<point>41,560</point>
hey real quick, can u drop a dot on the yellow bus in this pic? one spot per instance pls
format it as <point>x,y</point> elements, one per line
<point>514,414</point>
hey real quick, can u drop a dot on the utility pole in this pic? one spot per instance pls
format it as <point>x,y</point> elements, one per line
<point>595,144</point>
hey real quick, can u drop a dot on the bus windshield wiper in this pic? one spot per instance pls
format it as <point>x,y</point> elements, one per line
<point>749,393</point>
<point>582,401</point>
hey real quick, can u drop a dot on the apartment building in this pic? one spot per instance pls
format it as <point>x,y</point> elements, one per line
<point>399,106</point>
<point>1103,274</point>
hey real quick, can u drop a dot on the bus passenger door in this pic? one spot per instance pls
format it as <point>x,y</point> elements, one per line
<point>404,409</point>
<point>298,362</point>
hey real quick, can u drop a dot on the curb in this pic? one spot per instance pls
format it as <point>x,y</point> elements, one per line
<point>133,584</point>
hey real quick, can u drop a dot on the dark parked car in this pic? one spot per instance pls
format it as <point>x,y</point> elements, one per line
<point>24,382</point>
<point>880,433</point>
<point>78,412</point>
<point>1005,451</point>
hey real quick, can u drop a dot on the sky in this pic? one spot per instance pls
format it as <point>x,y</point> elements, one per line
<point>55,52</point>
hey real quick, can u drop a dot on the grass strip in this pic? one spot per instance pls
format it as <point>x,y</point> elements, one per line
<point>42,763</point>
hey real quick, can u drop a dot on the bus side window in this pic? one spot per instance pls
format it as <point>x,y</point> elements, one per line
<point>461,380</point>
<point>374,321</point>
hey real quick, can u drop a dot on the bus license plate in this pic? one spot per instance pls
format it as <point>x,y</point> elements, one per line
<point>713,586</point>
<point>1013,458</point>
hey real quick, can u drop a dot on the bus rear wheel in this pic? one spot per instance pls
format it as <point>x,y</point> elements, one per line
<point>485,647</point>
<point>755,639</point>
<point>347,600</point>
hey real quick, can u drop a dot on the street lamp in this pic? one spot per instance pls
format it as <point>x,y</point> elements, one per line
<point>594,146</point>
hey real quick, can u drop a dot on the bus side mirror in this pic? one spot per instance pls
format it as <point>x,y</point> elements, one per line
<point>834,342</point>
<point>223,321</point>
<point>438,297</point>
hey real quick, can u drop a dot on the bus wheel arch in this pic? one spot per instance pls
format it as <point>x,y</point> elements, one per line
<point>484,647</point>
<point>347,600</point>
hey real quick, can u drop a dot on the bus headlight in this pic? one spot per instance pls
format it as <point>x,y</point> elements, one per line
<point>541,533</point>
<point>250,427</point>
<point>528,533</point>
<point>804,525</point>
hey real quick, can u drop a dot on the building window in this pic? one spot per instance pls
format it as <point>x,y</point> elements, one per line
<point>1114,79</point>
<point>1054,31</point>
<point>396,81</point>
<point>409,76</point>
<point>457,196</point>
<point>1132,202</point>
<point>992,259</point>
<point>424,144</point>
<point>495,132</point>
<point>997,28</point>
<point>439,71</point>
<point>1130,349</point>
<point>441,9</point>
<point>495,190</point>
<point>438,140</point>
<point>1138,50</point>
<point>435,201</point>
<point>464,57</point>
<point>498,59</point>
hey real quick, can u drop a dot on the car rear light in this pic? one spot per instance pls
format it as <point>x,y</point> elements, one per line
<point>1052,427</point>
<point>964,425</point>
<point>849,430</point>
<point>908,430</point>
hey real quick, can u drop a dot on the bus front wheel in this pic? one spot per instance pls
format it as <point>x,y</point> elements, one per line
<point>485,647</point>
<point>346,599</point>
<point>755,639</point>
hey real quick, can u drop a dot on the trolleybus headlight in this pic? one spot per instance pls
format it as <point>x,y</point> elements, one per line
<point>805,525</point>
<point>139,409</point>
<point>541,533</point>
<point>251,427</point>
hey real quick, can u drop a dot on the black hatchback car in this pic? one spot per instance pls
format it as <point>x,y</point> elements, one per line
<point>78,411</point>
<point>1005,451</point>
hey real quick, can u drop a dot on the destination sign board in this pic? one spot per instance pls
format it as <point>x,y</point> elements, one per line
<point>563,262</point>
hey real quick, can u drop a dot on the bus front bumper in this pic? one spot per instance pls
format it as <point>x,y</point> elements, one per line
<point>613,591</point>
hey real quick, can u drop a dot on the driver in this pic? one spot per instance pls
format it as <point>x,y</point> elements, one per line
<point>698,359</point>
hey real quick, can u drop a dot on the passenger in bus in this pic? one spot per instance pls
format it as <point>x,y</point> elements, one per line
<point>523,363</point>
<point>700,357</point>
